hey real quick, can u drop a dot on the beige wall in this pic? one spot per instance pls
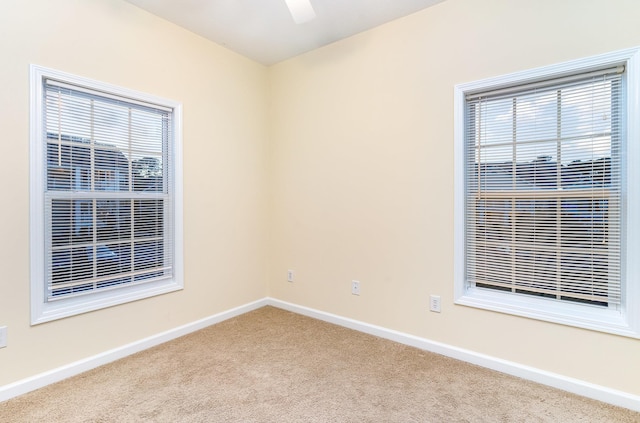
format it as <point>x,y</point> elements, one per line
<point>337,164</point>
<point>225,191</point>
<point>362,168</point>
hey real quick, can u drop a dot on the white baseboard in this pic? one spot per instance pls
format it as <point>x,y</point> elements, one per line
<point>568,384</point>
<point>576,386</point>
<point>43,379</point>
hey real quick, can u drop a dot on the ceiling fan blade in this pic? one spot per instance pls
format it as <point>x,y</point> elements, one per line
<point>301,10</point>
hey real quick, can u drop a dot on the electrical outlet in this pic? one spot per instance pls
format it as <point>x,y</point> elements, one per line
<point>3,336</point>
<point>434,303</point>
<point>290,275</point>
<point>355,287</point>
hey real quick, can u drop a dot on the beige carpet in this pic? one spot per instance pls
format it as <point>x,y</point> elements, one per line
<point>274,366</point>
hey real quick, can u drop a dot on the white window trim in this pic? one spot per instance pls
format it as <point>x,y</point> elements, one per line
<point>41,310</point>
<point>625,321</point>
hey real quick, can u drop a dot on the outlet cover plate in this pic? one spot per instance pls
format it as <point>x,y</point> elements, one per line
<point>434,303</point>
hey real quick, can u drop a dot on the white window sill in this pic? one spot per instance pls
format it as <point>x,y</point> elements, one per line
<point>562,312</point>
<point>66,307</point>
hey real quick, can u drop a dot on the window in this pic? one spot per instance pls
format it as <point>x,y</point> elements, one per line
<point>545,191</point>
<point>105,195</point>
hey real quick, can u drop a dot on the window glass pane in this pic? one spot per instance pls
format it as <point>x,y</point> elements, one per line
<point>111,126</point>
<point>69,265</point>
<point>68,166</point>
<point>147,174</point>
<point>147,128</point>
<point>585,223</point>
<point>537,166</point>
<point>535,117</point>
<point>66,113</point>
<point>536,271</point>
<point>71,222</point>
<point>148,218</point>
<point>148,255</point>
<point>493,221</point>
<point>494,120</point>
<point>111,170</point>
<point>536,222</point>
<point>108,260</point>
<point>113,220</point>
<point>586,110</point>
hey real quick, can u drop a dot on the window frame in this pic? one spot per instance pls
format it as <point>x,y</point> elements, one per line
<point>41,309</point>
<point>624,321</point>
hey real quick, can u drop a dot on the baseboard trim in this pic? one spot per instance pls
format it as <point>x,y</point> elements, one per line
<point>576,386</point>
<point>43,379</point>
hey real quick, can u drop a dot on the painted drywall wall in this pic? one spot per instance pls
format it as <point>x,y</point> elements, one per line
<point>224,145</point>
<point>362,168</point>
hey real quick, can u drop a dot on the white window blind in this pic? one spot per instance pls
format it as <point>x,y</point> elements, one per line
<point>108,192</point>
<point>543,188</point>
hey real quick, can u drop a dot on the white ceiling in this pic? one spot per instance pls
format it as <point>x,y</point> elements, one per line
<point>264,30</point>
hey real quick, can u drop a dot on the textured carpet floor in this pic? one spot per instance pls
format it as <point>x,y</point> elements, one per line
<point>274,366</point>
